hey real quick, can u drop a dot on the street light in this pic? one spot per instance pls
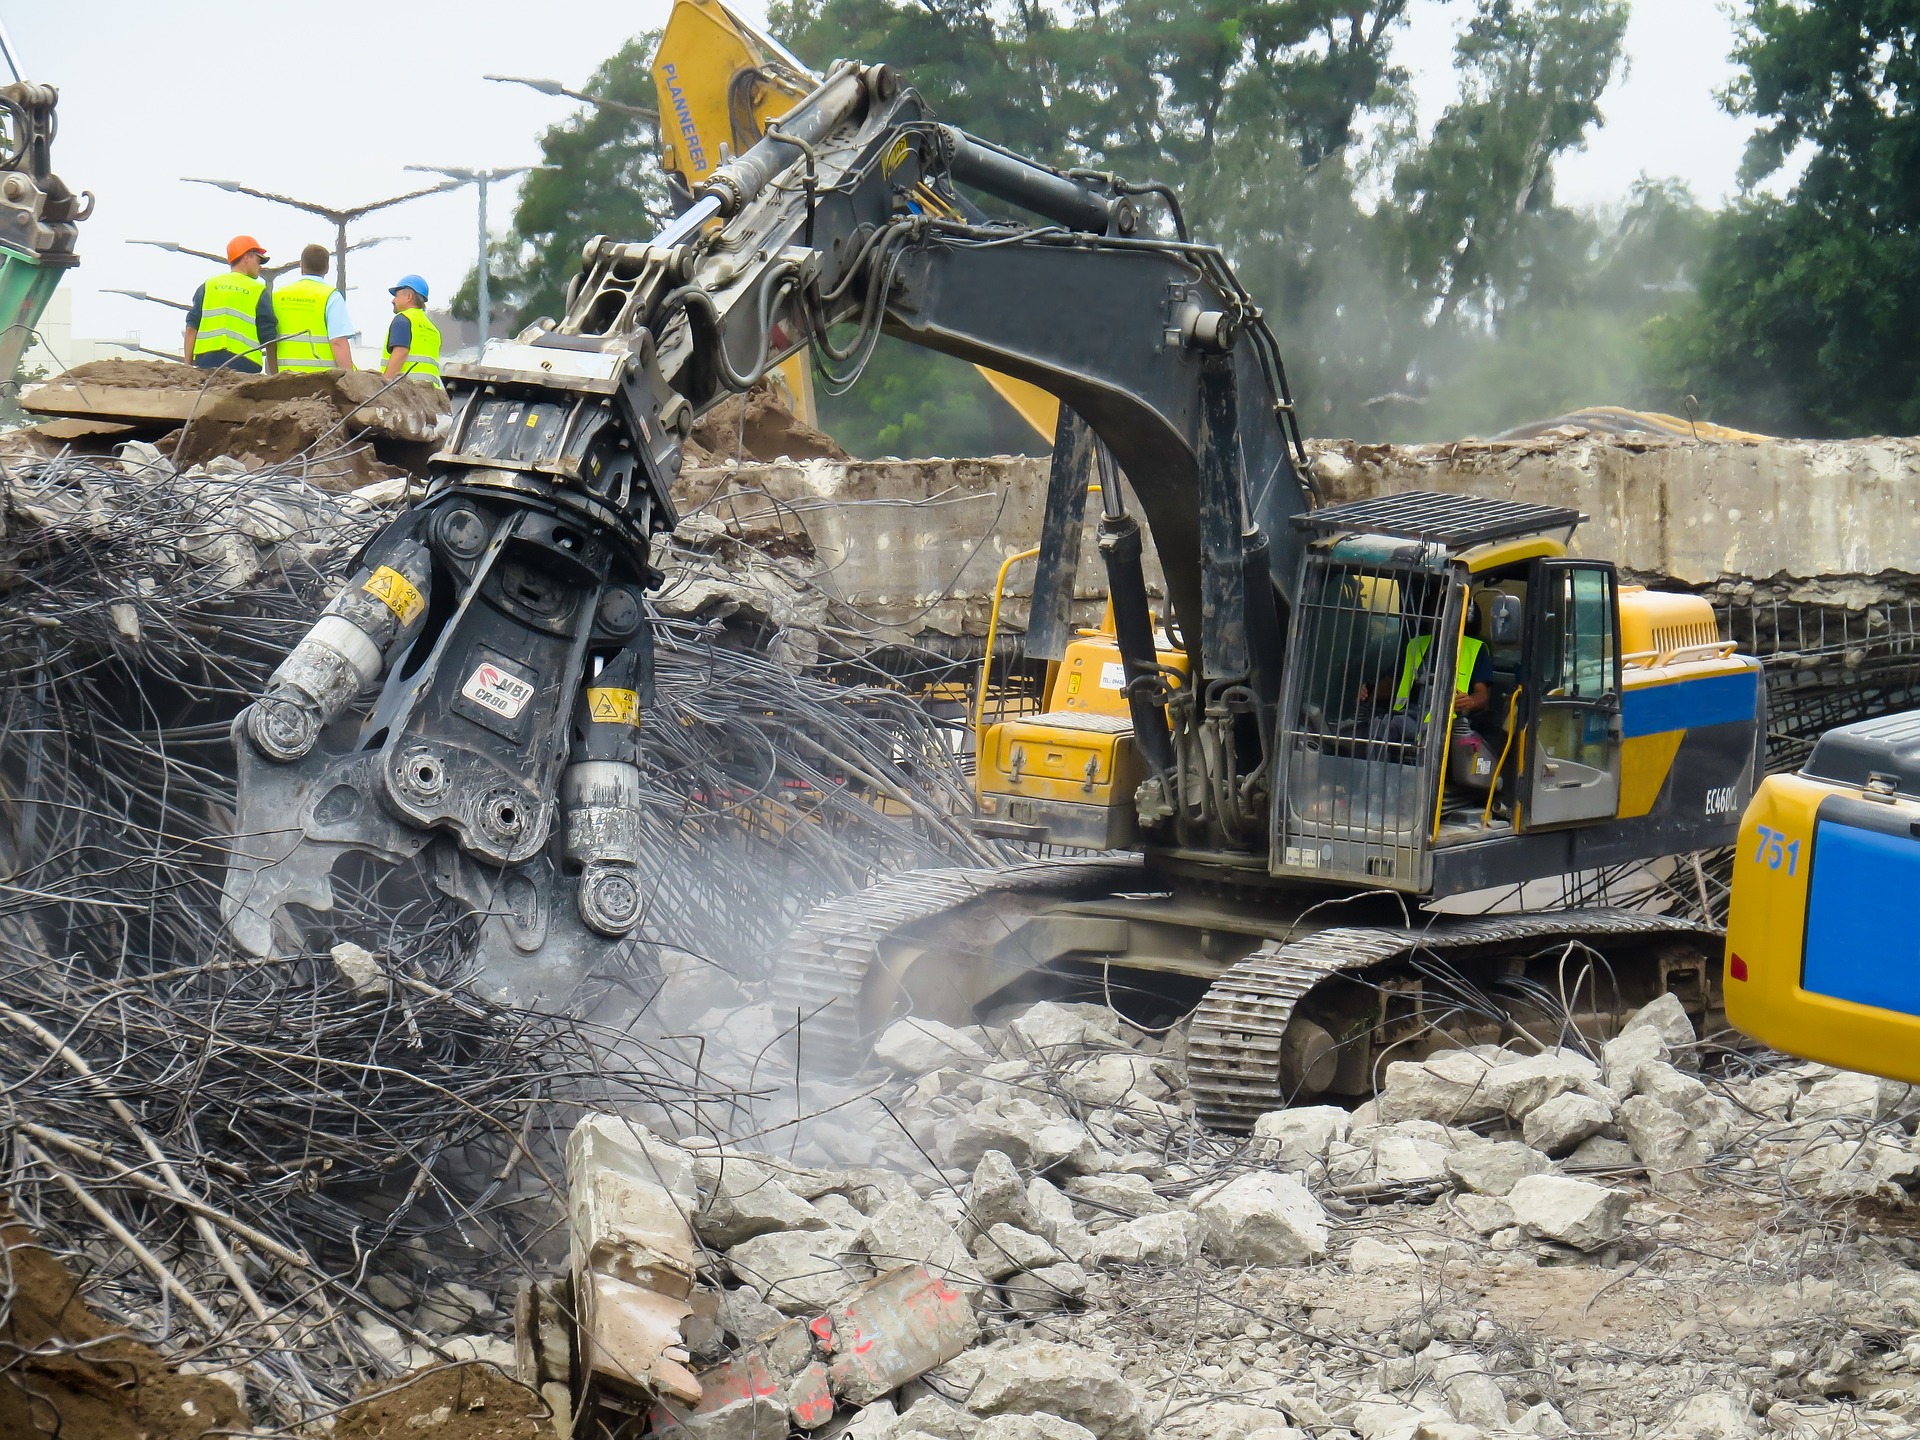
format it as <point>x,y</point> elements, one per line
<point>150,299</point>
<point>554,87</point>
<point>341,218</point>
<point>480,179</point>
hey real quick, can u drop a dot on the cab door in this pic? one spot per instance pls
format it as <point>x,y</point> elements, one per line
<point>1573,734</point>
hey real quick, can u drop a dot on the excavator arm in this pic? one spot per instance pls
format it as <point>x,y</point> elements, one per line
<point>503,619</point>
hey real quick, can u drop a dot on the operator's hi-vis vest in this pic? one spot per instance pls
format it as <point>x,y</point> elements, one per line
<point>1417,651</point>
<point>229,316</point>
<point>301,310</point>
<point>423,355</point>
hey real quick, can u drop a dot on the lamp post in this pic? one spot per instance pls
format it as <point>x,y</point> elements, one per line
<point>480,179</point>
<point>341,217</point>
<point>150,299</point>
<point>554,87</point>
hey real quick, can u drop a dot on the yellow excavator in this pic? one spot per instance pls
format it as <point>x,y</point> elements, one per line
<point>721,81</point>
<point>1345,716</point>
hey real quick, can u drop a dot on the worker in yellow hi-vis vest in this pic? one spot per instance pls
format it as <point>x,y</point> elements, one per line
<point>230,325</point>
<point>1472,679</point>
<point>413,340</point>
<point>316,332</point>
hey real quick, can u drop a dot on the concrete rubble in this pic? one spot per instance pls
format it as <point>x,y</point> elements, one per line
<point>1368,1274</point>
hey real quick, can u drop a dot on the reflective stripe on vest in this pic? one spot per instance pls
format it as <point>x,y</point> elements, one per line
<point>423,353</point>
<point>229,316</point>
<point>301,312</point>
<point>1417,652</point>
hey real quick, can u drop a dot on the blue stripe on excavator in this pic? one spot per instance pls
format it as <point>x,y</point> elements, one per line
<point>1689,704</point>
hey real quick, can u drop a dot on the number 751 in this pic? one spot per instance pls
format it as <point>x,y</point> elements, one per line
<point>1774,848</point>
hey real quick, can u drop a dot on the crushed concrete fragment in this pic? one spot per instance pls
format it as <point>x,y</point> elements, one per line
<point>1262,1220</point>
<point>915,1046</point>
<point>1070,1381</point>
<point>1573,1212</point>
<point>895,1329</point>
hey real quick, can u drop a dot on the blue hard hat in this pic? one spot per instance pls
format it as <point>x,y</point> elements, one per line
<point>413,283</point>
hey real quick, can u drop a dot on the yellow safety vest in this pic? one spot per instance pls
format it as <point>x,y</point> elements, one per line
<point>229,316</point>
<point>423,354</point>
<point>301,311</point>
<point>1417,651</point>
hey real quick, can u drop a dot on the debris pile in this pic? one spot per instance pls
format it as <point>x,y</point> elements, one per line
<point>337,430</point>
<point>1643,1236</point>
<point>310,1174</point>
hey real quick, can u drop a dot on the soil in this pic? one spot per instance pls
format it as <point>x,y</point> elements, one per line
<point>151,375</point>
<point>771,432</point>
<point>459,1402</point>
<point>65,1372</point>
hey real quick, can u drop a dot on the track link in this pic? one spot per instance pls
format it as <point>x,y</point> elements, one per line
<point>1236,1040</point>
<point>825,963</point>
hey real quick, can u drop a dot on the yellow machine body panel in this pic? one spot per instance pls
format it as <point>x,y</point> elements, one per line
<point>1070,771</point>
<point>1665,640</point>
<point>1071,774</point>
<point>1091,678</point>
<point>1823,956</point>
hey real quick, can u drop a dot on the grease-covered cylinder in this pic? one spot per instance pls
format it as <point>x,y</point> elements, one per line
<point>379,610</point>
<point>600,797</point>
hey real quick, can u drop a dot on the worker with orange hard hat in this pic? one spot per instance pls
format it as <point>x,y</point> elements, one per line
<point>230,325</point>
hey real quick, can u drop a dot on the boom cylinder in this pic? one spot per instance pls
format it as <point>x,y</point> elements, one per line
<point>839,96</point>
<point>1019,182</point>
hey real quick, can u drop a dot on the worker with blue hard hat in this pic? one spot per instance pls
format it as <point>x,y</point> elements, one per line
<point>413,340</point>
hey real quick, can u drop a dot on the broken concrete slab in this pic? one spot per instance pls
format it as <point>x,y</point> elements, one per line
<point>909,1231</point>
<point>632,1256</point>
<point>895,1329</point>
<point>1494,1167</point>
<point>915,1046</point>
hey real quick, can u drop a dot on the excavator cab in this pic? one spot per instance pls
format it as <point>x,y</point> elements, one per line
<point>1467,705</point>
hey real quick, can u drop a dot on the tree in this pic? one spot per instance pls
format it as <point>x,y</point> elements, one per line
<point>1808,305</point>
<point>604,179</point>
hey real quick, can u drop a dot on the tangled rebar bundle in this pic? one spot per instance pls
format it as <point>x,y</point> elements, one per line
<point>228,1147</point>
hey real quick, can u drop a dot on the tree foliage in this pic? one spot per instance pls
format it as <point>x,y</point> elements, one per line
<point>1420,281</point>
<point>1808,305</point>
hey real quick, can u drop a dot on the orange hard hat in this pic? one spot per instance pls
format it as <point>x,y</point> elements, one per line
<point>244,244</point>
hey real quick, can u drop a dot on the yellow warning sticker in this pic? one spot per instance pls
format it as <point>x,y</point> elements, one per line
<point>396,592</point>
<point>1073,684</point>
<point>607,706</point>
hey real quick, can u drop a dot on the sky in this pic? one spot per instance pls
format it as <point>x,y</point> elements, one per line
<point>388,85</point>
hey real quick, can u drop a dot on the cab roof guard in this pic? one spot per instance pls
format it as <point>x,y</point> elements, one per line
<point>1458,522</point>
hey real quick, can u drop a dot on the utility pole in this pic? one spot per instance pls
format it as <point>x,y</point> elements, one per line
<point>480,179</point>
<point>341,217</point>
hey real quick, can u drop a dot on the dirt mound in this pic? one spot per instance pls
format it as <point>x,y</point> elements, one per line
<point>757,426</point>
<point>460,1402</point>
<point>345,428</point>
<point>70,1374</point>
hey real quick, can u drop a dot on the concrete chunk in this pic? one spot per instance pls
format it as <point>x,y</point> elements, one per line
<point>1669,1017</point>
<point>745,1199</point>
<point>1262,1220</point>
<point>1563,1122</point>
<point>915,1046</point>
<point>1573,1212</point>
<point>998,1196</point>
<point>1003,1250</point>
<point>800,1271</point>
<point>895,1329</point>
<point>1494,1167</point>
<point>1170,1238</point>
<point>909,1231</point>
<point>1045,1378</point>
<point>1294,1139</point>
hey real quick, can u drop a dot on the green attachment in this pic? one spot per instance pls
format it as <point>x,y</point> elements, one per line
<point>26,285</point>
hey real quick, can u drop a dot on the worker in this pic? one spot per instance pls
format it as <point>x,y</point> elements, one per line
<point>413,340</point>
<point>1473,671</point>
<point>230,325</point>
<point>1473,674</point>
<point>316,333</point>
